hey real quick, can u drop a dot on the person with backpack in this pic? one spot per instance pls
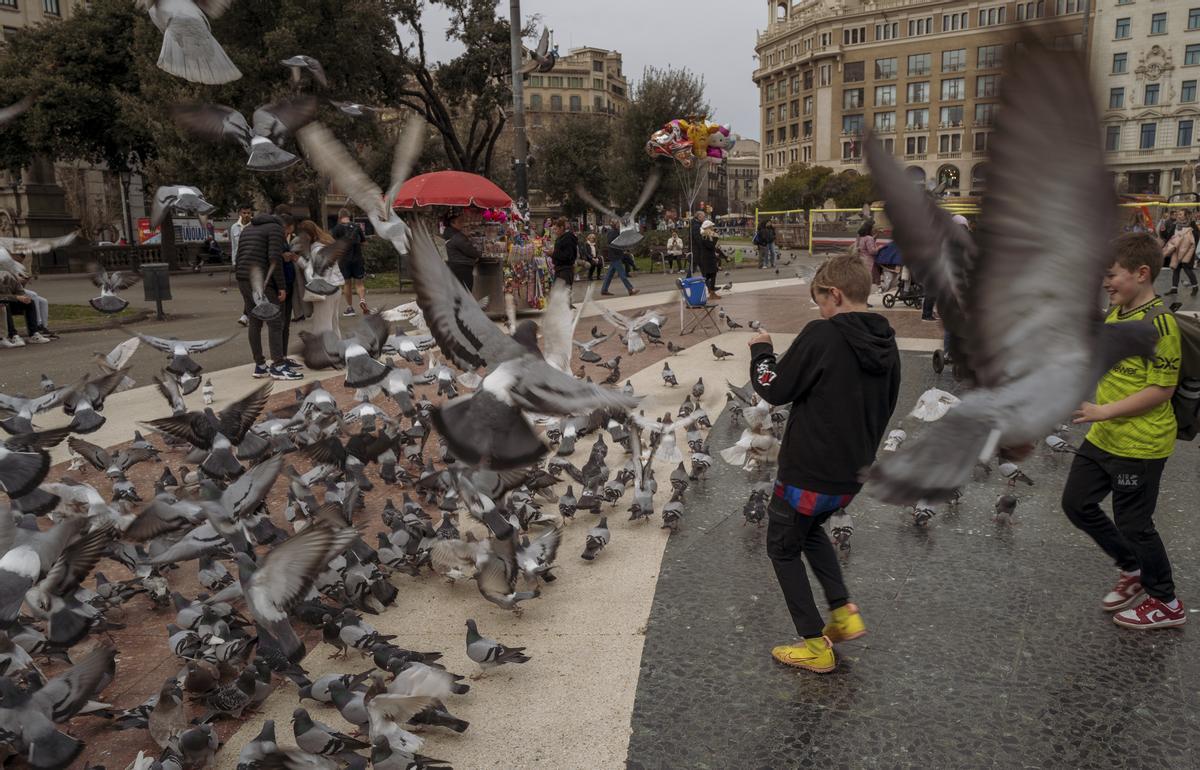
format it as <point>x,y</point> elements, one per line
<point>1181,249</point>
<point>1132,435</point>
<point>352,265</point>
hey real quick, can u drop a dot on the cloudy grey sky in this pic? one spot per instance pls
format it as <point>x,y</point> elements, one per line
<point>717,43</point>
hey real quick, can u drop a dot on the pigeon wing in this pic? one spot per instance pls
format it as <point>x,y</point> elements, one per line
<point>284,117</point>
<point>331,159</point>
<point>214,122</point>
<point>237,418</point>
<point>35,245</point>
<point>251,488</point>
<point>543,389</point>
<point>64,695</point>
<point>557,327</point>
<point>287,571</point>
<point>98,457</point>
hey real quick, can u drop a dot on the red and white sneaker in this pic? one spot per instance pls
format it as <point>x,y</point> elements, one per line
<point>1151,613</point>
<point>1125,593</point>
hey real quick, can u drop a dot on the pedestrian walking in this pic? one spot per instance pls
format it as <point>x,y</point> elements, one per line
<point>868,248</point>
<point>1181,249</point>
<point>1132,435</point>
<point>566,251</point>
<point>616,266</point>
<point>842,377</point>
<point>461,253</point>
<point>354,268</point>
<point>704,250</point>
<point>261,248</point>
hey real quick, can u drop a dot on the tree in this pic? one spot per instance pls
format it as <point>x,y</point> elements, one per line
<point>661,95</point>
<point>574,153</point>
<point>808,187</point>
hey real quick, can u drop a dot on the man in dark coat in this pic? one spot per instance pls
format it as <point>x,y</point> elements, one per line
<point>261,247</point>
<point>461,253</point>
<point>704,253</point>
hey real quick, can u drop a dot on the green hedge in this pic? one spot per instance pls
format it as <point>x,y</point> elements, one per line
<point>379,255</point>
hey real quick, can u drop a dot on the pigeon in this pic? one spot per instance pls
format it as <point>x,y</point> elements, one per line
<point>262,752</point>
<point>698,388</point>
<point>996,306</point>
<point>319,738</point>
<point>933,405</point>
<point>353,109</point>
<point>1012,473</point>
<point>630,234</point>
<point>179,199</point>
<point>588,354</point>
<point>841,527</point>
<point>719,354</point>
<point>489,653</point>
<point>189,50</point>
<point>922,513</point>
<point>118,358</point>
<point>272,124</point>
<point>300,64</point>
<point>894,439</point>
<point>197,747</point>
<point>542,58</point>
<point>168,718</point>
<point>209,392</point>
<point>357,353</point>
<point>673,349</point>
<point>109,284</point>
<point>85,400</point>
<point>217,432</point>
<point>1059,445</point>
<point>1006,506</point>
<point>732,324</point>
<point>15,110</point>
<point>597,537</point>
<point>181,350</point>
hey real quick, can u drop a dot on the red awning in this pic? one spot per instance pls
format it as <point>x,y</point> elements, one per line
<point>451,188</point>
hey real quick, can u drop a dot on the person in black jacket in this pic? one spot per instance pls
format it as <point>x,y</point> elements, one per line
<point>261,249</point>
<point>461,253</point>
<point>566,251</point>
<point>704,252</point>
<point>842,377</point>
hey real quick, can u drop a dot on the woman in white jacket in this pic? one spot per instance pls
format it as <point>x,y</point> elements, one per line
<point>316,259</point>
<point>1182,251</point>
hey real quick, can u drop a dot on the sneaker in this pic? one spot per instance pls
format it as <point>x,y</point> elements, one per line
<point>284,373</point>
<point>634,291</point>
<point>15,341</point>
<point>1152,613</point>
<point>289,363</point>
<point>606,294</point>
<point>1125,593</point>
<point>362,305</point>
<point>37,338</point>
<point>1173,290</point>
<point>349,311</point>
<point>928,318</point>
<point>5,342</point>
<point>1195,288</point>
<point>811,654</point>
<point>47,333</point>
<point>260,371</point>
<point>714,295</point>
<point>845,624</point>
<point>244,321</point>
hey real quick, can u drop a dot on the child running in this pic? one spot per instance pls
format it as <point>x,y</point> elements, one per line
<point>842,377</point>
<point>1126,449</point>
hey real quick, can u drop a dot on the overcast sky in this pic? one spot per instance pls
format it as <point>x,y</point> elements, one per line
<point>718,44</point>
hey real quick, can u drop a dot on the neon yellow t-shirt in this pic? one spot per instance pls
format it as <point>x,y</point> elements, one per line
<point>1148,436</point>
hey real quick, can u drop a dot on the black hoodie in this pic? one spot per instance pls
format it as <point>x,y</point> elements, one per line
<point>842,377</point>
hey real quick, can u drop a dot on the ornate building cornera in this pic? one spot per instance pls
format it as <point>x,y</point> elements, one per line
<point>1154,64</point>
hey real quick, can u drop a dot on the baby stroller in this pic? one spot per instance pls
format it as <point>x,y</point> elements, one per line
<point>907,291</point>
<point>942,359</point>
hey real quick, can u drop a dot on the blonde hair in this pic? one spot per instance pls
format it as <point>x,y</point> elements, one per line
<point>845,273</point>
<point>314,232</point>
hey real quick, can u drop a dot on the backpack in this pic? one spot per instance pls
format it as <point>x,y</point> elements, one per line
<point>1186,401</point>
<point>757,240</point>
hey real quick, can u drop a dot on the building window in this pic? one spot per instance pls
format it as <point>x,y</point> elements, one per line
<point>808,80</point>
<point>1188,92</point>
<point>597,84</point>
<point>852,99</point>
<point>887,31</point>
<point>794,109</point>
<point>1194,18</point>
<point>598,103</point>
<point>885,121</point>
<point>852,125</point>
<point>794,84</point>
<point>981,141</point>
<point>807,129</point>
<point>51,7</point>
<point>991,16</point>
<point>917,119</point>
<point>536,81</point>
<point>1112,138</point>
<point>1158,24</point>
<point>987,86</point>
<point>954,88</point>
<point>535,102</point>
<point>950,117</point>
<point>576,104</point>
<point>1149,135</point>
<point>770,136</point>
<point>574,82</point>
<point>852,150</point>
<point>556,81</point>
<point>885,69</point>
<point>950,143</point>
<point>989,57</point>
<point>916,145</point>
<point>825,75</point>
<point>1020,12</point>
<point>555,103</point>
<point>920,64</point>
<point>1191,54</point>
<point>854,36</point>
<point>918,93</point>
<point>1116,98</point>
<point>794,131</point>
<point>1151,95</point>
<point>985,114</point>
<point>597,65</point>
<point>808,105</point>
<point>918,27</point>
<point>954,22</point>
<point>1120,63</point>
<point>806,153</point>
<point>954,61</point>
<point>1184,137</point>
<point>770,116</point>
<point>1122,32</point>
<point>1068,6</point>
<point>854,72</point>
<point>885,96</point>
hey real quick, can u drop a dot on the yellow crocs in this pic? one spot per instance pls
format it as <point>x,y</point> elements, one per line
<point>813,654</point>
<point>845,624</point>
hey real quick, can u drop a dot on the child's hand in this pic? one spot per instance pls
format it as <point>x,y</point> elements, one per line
<point>1089,412</point>
<point>760,338</point>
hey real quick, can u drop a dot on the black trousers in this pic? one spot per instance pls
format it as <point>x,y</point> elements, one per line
<point>595,269</point>
<point>465,275</point>
<point>27,309</point>
<point>565,274</point>
<point>254,327</point>
<point>711,280</point>
<point>790,535</point>
<point>1129,537</point>
<point>927,306</point>
<point>1183,267</point>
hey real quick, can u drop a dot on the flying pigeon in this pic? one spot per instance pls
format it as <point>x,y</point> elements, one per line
<point>301,63</point>
<point>630,234</point>
<point>109,284</point>
<point>180,351</point>
<point>189,50</point>
<point>542,58</point>
<point>179,199</point>
<point>272,124</point>
<point>1036,343</point>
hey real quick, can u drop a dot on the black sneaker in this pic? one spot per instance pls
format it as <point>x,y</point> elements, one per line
<point>289,363</point>
<point>261,371</point>
<point>284,373</point>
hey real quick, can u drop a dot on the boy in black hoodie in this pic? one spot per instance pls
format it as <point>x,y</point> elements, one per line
<point>842,377</point>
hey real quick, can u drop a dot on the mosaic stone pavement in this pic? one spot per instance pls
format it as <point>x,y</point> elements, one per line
<point>987,646</point>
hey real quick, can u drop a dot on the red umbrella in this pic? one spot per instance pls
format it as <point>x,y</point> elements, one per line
<point>451,188</point>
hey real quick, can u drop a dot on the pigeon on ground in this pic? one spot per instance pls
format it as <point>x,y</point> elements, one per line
<point>597,538</point>
<point>109,284</point>
<point>719,354</point>
<point>698,388</point>
<point>179,199</point>
<point>189,50</point>
<point>997,307</point>
<point>272,124</point>
<point>922,513</point>
<point>168,719</point>
<point>209,392</point>
<point>1059,445</point>
<point>673,349</point>
<point>489,653</point>
<point>1013,473</point>
<point>1006,506</point>
<point>300,63</point>
<point>321,739</point>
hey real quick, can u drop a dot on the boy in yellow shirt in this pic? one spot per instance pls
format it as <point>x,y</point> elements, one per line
<point>1131,437</point>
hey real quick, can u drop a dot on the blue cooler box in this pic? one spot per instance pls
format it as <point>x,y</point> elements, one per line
<point>695,290</point>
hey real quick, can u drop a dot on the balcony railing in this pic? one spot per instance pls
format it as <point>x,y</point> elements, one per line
<point>885,129</point>
<point>949,155</point>
<point>950,124</point>
<point>916,127</point>
<point>916,156</point>
<point>854,132</point>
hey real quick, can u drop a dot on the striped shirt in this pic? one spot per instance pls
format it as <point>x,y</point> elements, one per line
<point>1148,436</point>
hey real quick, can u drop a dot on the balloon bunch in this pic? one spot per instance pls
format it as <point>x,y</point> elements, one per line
<point>495,215</point>
<point>687,140</point>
